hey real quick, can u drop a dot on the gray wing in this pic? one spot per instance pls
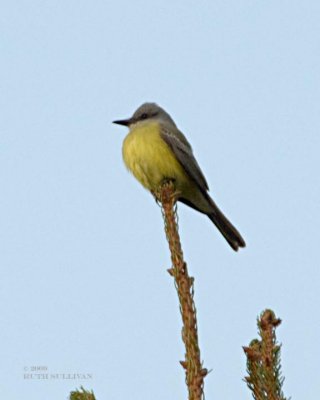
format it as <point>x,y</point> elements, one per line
<point>183,152</point>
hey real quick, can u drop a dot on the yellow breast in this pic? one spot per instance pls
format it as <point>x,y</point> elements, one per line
<point>149,158</point>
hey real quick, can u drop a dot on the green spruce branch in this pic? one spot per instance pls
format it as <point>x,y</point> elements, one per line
<point>263,360</point>
<point>82,394</point>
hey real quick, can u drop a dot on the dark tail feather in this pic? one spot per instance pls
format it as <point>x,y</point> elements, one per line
<point>230,233</point>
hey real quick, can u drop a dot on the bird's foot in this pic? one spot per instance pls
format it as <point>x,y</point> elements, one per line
<point>165,188</point>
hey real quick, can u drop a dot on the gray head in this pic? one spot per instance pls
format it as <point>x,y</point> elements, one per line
<point>147,112</point>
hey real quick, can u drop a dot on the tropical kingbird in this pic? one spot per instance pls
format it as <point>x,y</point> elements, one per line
<point>156,151</point>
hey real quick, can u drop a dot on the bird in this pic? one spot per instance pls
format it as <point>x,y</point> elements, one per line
<point>155,151</point>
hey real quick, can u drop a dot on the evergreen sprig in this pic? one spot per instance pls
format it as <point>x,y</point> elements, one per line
<point>263,360</point>
<point>82,394</point>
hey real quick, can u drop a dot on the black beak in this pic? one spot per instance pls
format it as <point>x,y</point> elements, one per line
<point>125,122</point>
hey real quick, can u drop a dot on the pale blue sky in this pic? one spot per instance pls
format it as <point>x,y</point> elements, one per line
<point>84,286</point>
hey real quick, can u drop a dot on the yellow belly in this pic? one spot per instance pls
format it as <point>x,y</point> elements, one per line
<point>149,158</point>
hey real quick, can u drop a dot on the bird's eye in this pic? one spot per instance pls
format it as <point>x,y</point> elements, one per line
<point>144,116</point>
